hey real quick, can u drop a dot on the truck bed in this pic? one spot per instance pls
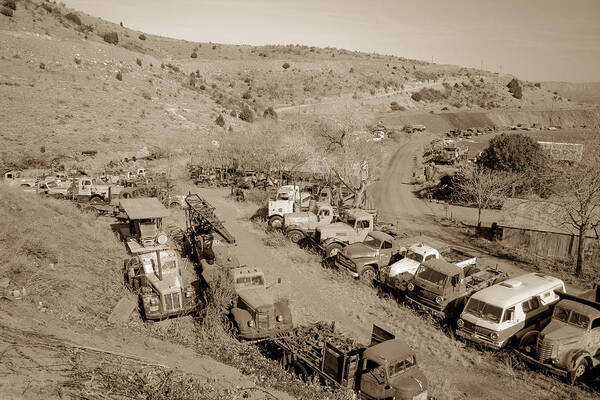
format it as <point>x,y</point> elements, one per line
<point>457,256</point>
<point>483,279</point>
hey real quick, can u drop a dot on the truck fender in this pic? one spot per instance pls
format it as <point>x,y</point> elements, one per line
<point>241,318</point>
<point>283,308</point>
<point>574,356</point>
<point>527,342</point>
<point>294,227</point>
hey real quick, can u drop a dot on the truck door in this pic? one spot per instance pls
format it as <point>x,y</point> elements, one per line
<point>324,215</point>
<point>85,187</point>
<point>373,380</point>
<point>363,228</point>
<point>385,253</point>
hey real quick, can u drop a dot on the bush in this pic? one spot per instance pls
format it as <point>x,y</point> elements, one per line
<point>202,87</point>
<point>285,65</point>
<point>514,87</point>
<point>42,65</point>
<point>119,76</point>
<point>111,37</point>
<point>247,114</point>
<point>6,11</point>
<point>142,37</point>
<point>138,61</point>
<point>513,153</point>
<point>10,4</point>
<point>351,69</point>
<point>73,18</point>
<point>214,47</point>
<point>47,7</point>
<point>220,121</point>
<point>270,113</point>
<point>77,60</point>
<point>428,94</point>
<point>247,95</point>
<point>396,107</point>
<point>194,55</point>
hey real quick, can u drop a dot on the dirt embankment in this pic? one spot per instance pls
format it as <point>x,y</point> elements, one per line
<point>443,122</point>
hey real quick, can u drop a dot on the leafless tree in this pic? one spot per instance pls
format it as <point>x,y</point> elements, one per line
<point>581,202</point>
<point>481,186</point>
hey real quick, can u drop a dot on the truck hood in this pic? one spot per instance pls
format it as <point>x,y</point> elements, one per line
<point>404,265</point>
<point>409,384</point>
<point>336,229</point>
<point>294,218</point>
<point>359,250</point>
<point>558,331</point>
<point>256,297</point>
<point>169,284</point>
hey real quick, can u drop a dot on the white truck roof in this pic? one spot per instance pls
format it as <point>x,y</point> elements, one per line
<point>422,248</point>
<point>516,290</point>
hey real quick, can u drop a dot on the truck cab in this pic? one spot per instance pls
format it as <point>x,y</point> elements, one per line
<point>365,260</point>
<point>157,275</point>
<point>355,226</point>
<point>255,313</point>
<point>504,313</point>
<point>298,225</point>
<point>569,346</point>
<point>144,229</point>
<point>288,199</point>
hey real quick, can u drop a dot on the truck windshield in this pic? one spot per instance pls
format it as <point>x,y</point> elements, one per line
<point>414,256</point>
<point>402,365</point>
<point>561,314</point>
<point>376,369</point>
<point>248,281</point>
<point>372,242</point>
<point>484,310</point>
<point>431,275</point>
<point>571,317</point>
<point>169,266</point>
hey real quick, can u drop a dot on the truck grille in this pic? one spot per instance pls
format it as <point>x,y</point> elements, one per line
<point>172,301</point>
<point>263,320</point>
<point>345,262</point>
<point>426,297</point>
<point>543,351</point>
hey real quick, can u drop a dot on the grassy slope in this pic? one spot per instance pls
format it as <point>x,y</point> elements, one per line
<point>588,92</point>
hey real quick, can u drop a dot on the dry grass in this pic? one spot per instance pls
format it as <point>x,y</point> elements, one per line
<point>48,247</point>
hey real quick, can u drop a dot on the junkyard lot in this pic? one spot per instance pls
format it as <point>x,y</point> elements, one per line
<point>316,293</point>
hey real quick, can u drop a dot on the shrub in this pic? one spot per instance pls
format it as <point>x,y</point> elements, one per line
<point>138,61</point>
<point>192,81</point>
<point>77,60</point>
<point>220,121</point>
<point>351,69</point>
<point>194,55</point>
<point>233,113</point>
<point>142,37</point>
<point>270,113</point>
<point>42,65</point>
<point>428,94</point>
<point>10,4</point>
<point>247,114</point>
<point>6,11</point>
<point>47,7</point>
<point>514,153</point>
<point>73,18</point>
<point>121,23</point>
<point>202,87</point>
<point>285,65</point>
<point>396,107</point>
<point>514,87</point>
<point>111,37</point>
<point>247,95</point>
<point>119,76</point>
<point>537,85</point>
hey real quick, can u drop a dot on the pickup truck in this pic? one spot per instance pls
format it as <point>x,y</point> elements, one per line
<point>569,346</point>
<point>386,369</point>
<point>443,288</point>
<point>299,225</point>
<point>354,227</point>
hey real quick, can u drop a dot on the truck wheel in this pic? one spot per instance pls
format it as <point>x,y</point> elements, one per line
<point>96,200</point>
<point>333,249</point>
<point>579,371</point>
<point>528,341</point>
<point>368,275</point>
<point>276,222</point>
<point>295,236</point>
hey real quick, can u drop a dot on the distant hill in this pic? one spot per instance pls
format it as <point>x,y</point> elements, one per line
<point>588,92</point>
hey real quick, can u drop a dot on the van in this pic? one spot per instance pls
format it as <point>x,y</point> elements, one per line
<point>503,313</point>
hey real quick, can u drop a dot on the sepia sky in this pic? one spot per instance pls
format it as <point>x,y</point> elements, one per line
<point>533,39</point>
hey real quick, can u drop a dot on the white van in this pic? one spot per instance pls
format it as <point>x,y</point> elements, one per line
<point>501,314</point>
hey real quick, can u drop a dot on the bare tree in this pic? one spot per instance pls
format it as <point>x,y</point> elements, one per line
<point>581,203</point>
<point>481,186</point>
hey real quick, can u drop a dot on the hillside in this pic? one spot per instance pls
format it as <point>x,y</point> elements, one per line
<point>588,92</point>
<point>65,90</point>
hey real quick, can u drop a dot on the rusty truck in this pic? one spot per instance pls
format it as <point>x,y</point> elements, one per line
<point>299,225</point>
<point>385,369</point>
<point>442,288</point>
<point>255,313</point>
<point>354,227</point>
<point>154,269</point>
<point>569,346</point>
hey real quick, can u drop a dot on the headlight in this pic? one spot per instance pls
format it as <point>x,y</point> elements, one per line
<point>494,336</point>
<point>250,323</point>
<point>460,323</point>
<point>279,318</point>
<point>439,299</point>
<point>411,287</point>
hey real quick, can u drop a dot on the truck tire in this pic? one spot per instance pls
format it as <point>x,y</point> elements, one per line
<point>528,341</point>
<point>96,200</point>
<point>333,249</point>
<point>295,235</point>
<point>368,275</point>
<point>579,371</point>
<point>276,222</point>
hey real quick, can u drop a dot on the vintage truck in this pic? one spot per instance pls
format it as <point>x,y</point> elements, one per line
<point>255,313</point>
<point>289,199</point>
<point>154,268</point>
<point>299,225</point>
<point>354,227</point>
<point>386,369</point>
<point>569,346</point>
<point>443,288</point>
<point>58,189</point>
